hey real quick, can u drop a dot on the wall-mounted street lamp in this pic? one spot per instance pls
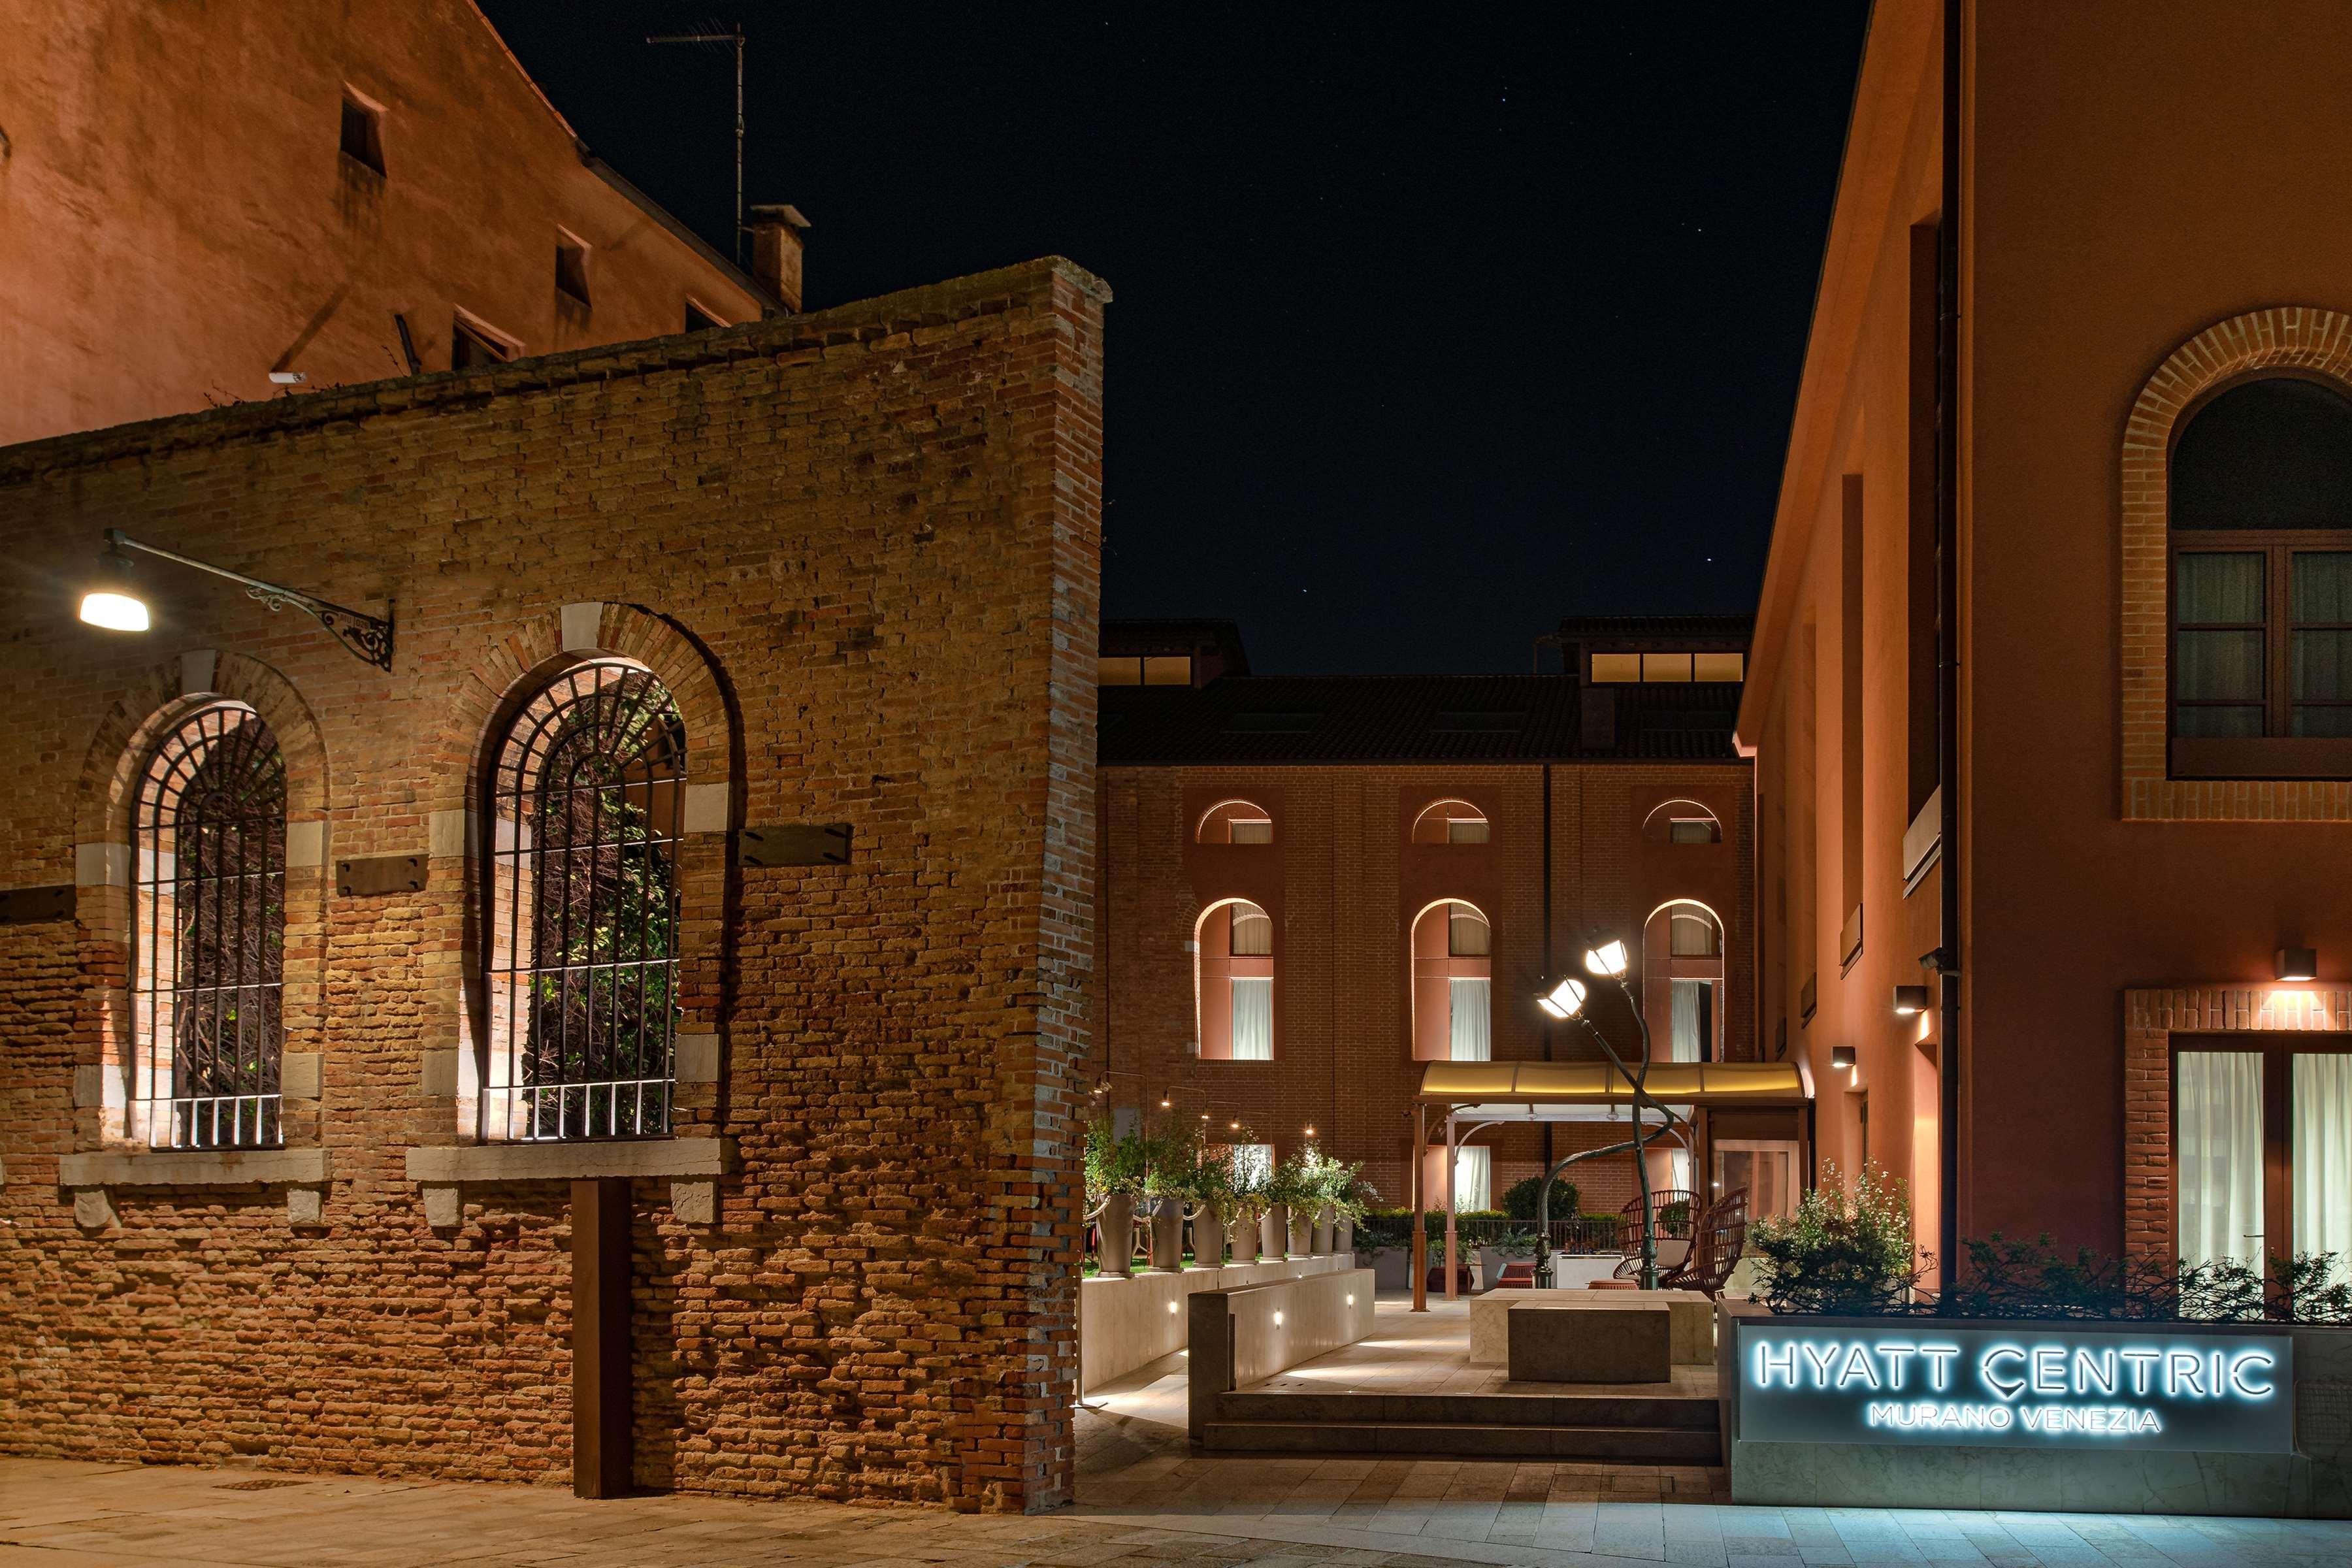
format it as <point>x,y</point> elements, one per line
<point>1910,1001</point>
<point>1841,1056</point>
<point>2296,964</point>
<point>113,601</point>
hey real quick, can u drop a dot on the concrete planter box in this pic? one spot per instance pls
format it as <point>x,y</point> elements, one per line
<point>1392,1267</point>
<point>1492,1260</point>
<point>2309,1476</point>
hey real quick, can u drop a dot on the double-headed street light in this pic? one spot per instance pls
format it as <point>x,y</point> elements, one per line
<point>114,604</point>
<point>1564,999</point>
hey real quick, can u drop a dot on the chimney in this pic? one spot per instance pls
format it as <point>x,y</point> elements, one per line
<point>776,246</point>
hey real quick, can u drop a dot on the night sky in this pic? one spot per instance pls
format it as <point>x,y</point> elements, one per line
<point>1431,326</point>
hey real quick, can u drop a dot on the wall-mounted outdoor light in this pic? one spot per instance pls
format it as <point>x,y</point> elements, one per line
<point>1310,1131</point>
<point>2296,964</point>
<point>113,602</point>
<point>1841,1056</point>
<point>1910,1001</point>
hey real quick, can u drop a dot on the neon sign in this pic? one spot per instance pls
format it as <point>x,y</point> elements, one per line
<point>2071,1385</point>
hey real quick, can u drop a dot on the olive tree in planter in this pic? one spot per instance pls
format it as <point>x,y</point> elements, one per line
<point>1172,1159</point>
<point>1354,1198</point>
<point>1114,1173</point>
<point>1248,1213</point>
<point>1292,1195</point>
<point>1211,1192</point>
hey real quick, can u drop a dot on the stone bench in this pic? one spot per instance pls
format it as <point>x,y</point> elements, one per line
<point>1628,1340</point>
<point>1692,1315</point>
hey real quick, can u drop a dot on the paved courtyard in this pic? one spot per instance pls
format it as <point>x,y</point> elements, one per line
<point>1158,1507</point>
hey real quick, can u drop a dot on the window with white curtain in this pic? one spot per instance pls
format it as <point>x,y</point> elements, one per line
<point>1252,932</point>
<point>1693,1020</point>
<point>2323,1157</point>
<point>1474,1178</point>
<point>1471,1037</point>
<point>1252,1018</point>
<point>2218,1116</point>
<point>1253,1163</point>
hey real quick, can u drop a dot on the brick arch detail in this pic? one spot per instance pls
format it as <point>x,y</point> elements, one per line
<point>110,771</point>
<point>534,652</point>
<point>2282,337</point>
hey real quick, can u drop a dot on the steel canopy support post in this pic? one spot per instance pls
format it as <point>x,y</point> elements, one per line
<point>1420,1209</point>
<point>1451,1154</point>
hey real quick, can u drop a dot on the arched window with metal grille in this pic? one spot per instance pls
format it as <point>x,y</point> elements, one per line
<point>587,793</point>
<point>208,960</point>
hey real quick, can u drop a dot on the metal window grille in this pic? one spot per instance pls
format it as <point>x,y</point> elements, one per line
<point>587,809</point>
<point>208,959</point>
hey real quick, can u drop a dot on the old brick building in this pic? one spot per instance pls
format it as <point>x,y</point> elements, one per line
<point>1311,887</point>
<point>193,197</point>
<point>742,681</point>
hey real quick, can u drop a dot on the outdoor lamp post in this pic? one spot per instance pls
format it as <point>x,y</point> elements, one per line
<point>114,604</point>
<point>1610,960</point>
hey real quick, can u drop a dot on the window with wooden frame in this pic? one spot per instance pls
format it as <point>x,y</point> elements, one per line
<point>2261,583</point>
<point>2261,1148</point>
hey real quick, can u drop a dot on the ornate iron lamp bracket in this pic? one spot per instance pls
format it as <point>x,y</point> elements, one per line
<point>364,636</point>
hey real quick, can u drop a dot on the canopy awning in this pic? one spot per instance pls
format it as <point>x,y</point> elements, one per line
<point>1527,1090</point>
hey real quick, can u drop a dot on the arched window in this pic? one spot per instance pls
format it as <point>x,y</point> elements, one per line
<point>2261,510</point>
<point>586,792</point>
<point>1452,984</point>
<point>1233,982</point>
<point>1236,822</point>
<point>208,962</point>
<point>1683,982</point>
<point>1682,822</point>
<point>1451,822</point>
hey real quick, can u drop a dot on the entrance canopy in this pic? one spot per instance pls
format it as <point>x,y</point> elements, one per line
<point>1580,1091</point>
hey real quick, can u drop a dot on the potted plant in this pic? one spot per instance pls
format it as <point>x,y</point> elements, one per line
<point>1114,1169</point>
<point>1172,1159</point>
<point>1210,1191</point>
<point>1353,1198</point>
<point>1248,1198</point>
<point>1845,1248</point>
<point>1290,1217</point>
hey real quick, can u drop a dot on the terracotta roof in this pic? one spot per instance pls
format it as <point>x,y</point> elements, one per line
<point>1410,718</point>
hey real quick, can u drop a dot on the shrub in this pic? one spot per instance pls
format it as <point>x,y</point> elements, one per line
<point>1846,1249</point>
<point>1522,1201</point>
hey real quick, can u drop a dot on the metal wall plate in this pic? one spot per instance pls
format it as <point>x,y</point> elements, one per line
<point>31,906</point>
<point>380,874</point>
<point>793,844</point>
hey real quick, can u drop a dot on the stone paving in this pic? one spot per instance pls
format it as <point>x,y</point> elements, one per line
<point>1143,1497</point>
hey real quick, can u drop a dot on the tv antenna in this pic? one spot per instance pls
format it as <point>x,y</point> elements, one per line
<point>733,38</point>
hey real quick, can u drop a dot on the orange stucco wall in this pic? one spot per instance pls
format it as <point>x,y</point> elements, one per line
<point>177,221</point>
<point>2130,180</point>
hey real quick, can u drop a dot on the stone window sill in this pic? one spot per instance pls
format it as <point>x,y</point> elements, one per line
<point>93,1178</point>
<point>692,1164</point>
<point>2268,758</point>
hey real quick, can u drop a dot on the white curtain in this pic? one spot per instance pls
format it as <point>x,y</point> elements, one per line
<point>1253,1018</point>
<point>1474,1172</point>
<point>1253,1163</point>
<point>2219,1115</point>
<point>1471,1040</point>
<point>1690,999</point>
<point>2323,1157</point>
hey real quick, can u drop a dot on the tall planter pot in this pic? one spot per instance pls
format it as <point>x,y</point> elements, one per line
<point>1322,1240</point>
<point>1116,1223</point>
<point>1343,1236</point>
<point>1302,1234</point>
<point>1166,1235</point>
<point>1275,1232</point>
<point>1247,1236</point>
<point>1208,1239</point>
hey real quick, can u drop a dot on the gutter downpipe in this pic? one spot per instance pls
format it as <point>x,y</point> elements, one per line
<point>1948,656</point>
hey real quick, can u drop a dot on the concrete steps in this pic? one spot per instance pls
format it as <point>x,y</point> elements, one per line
<point>1598,1428</point>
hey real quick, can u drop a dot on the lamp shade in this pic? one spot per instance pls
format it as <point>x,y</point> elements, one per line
<point>1912,1000</point>
<point>110,601</point>
<point>1841,1056</point>
<point>1608,959</point>
<point>2296,964</point>
<point>1564,999</point>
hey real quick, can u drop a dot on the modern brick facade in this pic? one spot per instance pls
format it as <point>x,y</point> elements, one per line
<point>1344,881</point>
<point>861,548</point>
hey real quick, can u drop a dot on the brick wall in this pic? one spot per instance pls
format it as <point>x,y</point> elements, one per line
<point>1344,883</point>
<point>862,549</point>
